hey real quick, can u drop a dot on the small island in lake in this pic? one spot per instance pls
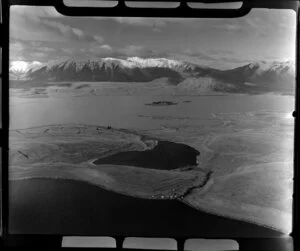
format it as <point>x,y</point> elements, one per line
<point>162,103</point>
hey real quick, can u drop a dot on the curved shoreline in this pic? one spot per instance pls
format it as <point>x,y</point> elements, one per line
<point>213,212</point>
<point>162,216</point>
<point>139,189</point>
<point>206,186</point>
<point>110,188</point>
<point>165,155</point>
<point>121,192</point>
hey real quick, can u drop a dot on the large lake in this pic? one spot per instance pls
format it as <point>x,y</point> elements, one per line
<point>251,133</point>
<point>131,111</point>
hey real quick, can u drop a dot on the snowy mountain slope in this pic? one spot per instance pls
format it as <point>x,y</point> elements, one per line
<point>19,69</point>
<point>132,69</point>
<point>261,77</point>
<point>260,72</point>
<point>253,77</point>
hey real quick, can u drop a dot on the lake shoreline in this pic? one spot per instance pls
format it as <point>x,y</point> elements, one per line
<point>77,210</point>
<point>165,155</point>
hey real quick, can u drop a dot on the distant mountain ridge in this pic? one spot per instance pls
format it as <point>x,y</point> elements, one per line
<point>253,77</point>
<point>19,69</point>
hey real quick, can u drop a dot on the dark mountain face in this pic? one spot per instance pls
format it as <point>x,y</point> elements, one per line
<point>254,78</point>
<point>115,73</point>
<point>261,77</point>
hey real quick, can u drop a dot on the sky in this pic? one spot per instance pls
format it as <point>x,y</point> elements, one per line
<point>42,34</point>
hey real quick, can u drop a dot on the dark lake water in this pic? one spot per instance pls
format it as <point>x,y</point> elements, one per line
<point>43,206</point>
<point>47,206</point>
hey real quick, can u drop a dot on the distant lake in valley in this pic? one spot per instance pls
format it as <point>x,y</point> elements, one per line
<point>132,113</point>
<point>240,123</point>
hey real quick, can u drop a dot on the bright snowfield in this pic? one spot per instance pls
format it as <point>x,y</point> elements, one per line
<point>68,114</point>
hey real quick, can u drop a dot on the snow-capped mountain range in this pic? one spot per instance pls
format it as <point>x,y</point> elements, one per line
<point>18,69</point>
<point>255,77</point>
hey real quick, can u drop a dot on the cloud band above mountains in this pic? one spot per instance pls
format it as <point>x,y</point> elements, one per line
<point>42,34</point>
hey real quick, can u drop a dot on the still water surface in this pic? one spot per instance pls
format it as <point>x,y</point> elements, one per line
<point>131,111</point>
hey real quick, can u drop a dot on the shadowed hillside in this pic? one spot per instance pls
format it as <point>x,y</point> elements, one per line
<point>254,78</point>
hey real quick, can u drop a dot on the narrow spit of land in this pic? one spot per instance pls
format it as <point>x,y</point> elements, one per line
<point>112,159</point>
<point>117,160</point>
